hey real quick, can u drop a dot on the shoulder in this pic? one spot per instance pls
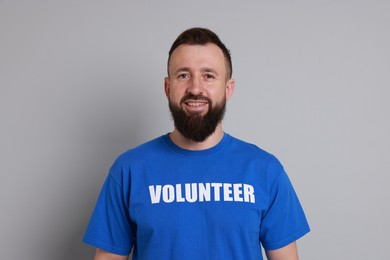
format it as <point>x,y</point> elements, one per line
<point>265,160</point>
<point>250,149</point>
<point>151,147</point>
<point>136,156</point>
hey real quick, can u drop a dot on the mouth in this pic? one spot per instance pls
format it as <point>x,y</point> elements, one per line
<point>196,103</point>
<point>196,107</point>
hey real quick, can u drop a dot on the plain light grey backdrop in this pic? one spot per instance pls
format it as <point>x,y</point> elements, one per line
<point>82,81</point>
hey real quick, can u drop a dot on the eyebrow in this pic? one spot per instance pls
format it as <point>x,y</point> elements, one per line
<point>209,70</point>
<point>205,69</point>
<point>182,69</point>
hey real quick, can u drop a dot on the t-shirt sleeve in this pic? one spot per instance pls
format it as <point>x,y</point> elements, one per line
<point>110,225</point>
<point>285,221</point>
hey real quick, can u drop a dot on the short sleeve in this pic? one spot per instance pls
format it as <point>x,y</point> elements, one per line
<point>110,226</point>
<point>285,221</point>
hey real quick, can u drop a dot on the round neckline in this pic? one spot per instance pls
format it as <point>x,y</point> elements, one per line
<point>167,140</point>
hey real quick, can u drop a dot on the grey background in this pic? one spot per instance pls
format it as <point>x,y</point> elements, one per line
<point>82,81</point>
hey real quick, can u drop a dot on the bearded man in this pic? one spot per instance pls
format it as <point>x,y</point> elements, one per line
<point>197,192</point>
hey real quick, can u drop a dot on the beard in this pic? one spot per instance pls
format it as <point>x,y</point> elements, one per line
<point>195,126</point>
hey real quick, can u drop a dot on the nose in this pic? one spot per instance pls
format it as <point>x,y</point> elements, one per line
<point>195,86</point>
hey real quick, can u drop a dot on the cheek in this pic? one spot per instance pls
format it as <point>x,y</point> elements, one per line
<point>219,95</point>
<point>175,96</point>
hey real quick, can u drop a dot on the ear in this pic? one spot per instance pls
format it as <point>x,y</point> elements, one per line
<point>229,88</point>
<point>166,86</point>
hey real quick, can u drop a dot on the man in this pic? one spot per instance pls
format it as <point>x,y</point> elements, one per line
<point>197,193</point>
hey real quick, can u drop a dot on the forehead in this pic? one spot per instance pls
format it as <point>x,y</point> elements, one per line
<point>193,56</point>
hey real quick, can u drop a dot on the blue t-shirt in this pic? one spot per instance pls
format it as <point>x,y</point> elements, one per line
<point>219,203</point>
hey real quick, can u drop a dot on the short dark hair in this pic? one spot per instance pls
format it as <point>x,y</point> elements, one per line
<point>202,36</point>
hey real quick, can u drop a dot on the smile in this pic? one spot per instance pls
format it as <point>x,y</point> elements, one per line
<point>195,103</point>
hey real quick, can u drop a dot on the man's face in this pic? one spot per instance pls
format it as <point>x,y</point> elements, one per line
<point>197,89</point>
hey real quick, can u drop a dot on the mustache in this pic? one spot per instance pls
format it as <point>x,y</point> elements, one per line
<point>190,96</point>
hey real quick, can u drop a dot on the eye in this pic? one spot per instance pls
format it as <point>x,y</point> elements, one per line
<point>209,76</point>
<point>183,76</point>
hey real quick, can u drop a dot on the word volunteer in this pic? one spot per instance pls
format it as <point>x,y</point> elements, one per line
<point>193,192</point>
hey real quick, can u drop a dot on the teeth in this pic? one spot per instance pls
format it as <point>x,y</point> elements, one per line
<point>196,104</point>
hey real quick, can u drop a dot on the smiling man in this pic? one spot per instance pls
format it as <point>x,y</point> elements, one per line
<point>197,192</point>
<point>197,87</point>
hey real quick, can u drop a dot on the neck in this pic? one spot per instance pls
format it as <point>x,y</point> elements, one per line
<point>185,143</point>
